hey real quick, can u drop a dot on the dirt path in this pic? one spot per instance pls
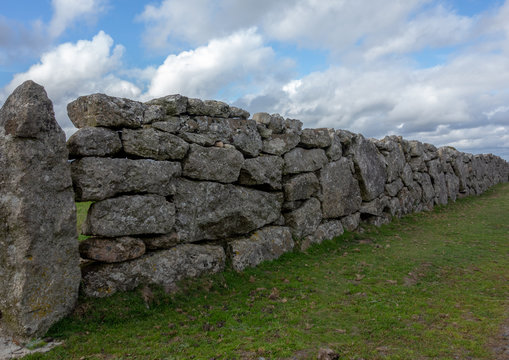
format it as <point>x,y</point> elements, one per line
<point>500,344</point>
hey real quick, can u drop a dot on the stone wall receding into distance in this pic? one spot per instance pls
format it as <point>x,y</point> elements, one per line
<point>181,187</point>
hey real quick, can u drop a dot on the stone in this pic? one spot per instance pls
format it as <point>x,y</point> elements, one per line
<point>428,192</point>
<point>94,141</point>
<point>154,144</point>
<point>301,187</point>
<point>172,104</point>
<point>394,157</point>
<point>279,144</point>
<point>351,222</point>
<point>378,220</point>
<point>213,163</point>
<point>373,207</point>
<point>328,230</point>
<point>130,215</point>
<point>199,139</point>
<point>436,172</point>
<point>101,178</point>
<point>369,167</point>
<point>262,118</point>
<point>158,242</point>
<point>276,124</point>
<point>265,244</point>
<point>315,138</point>
<point>394,187</point>
<point>106,111</point>
<point>341,194</point>
<point>301,160</point>
<point>407,175</point>
<point>210,210</point>
<point>453,186</point>
<point>305,220</point>
<point>172,124</point>
<point>165,268</point>
<point>212,108</point>
<point>236,112</point>
<point>335,150</point>
<point>153,113</point>
<point>39,258</point>
<point>111,250</point>
<point>262,171</point>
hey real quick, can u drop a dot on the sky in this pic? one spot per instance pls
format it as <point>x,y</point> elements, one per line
<point>436,71</point>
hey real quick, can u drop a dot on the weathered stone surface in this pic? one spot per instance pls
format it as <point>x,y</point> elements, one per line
<point>39,259</point>
<point>265,244</point>
<point>263,171</point>
<point>335,150</point>
<point>305,219</point>
<point>301,187</point>
<point>209,210</point>
<point>236,112</point>
<point>392,150</point>
<point>301,160</point>
<point>315,138</point>
<point>213,163</point>
<point>165,268</point>
<point>328,230</point>
<point>172,104</point>
<point>107,111</point>
<point>154,144</point>
<point>262,118</point>
<point>374,207</point>
<point>280,136</point>
<point>407,175</point>
<point>428,192</point>
<point>436,172</point>
<point>171,124</point>
<point>94,141</point>
<point>208,108</point>
<point>394,187</point>
<point>101,178</point>
<point>166,241</point>
<point>340,191</point>
<point>351,222</point>
<point>200,139</point>
<point>112,250</point>
<point>453,186</point>
<point>130,215</point>
<point>279,144</point>
<point>369,167</point>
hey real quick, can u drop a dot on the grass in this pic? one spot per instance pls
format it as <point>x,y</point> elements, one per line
<point>428,286</point>
<point>81,215</point>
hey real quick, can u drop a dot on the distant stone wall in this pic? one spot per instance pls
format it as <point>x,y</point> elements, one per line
<point>183,186</point>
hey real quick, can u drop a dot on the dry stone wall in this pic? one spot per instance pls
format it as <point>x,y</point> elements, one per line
<point>181,186</point>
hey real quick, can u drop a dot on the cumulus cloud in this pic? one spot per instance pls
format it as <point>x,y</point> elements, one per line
<point>66,12</point>
<point>240,59</point>
<point>74,69</point>
<point>18,41</point>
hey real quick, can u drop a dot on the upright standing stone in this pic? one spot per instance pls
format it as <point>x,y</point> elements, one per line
<point>39,260</point>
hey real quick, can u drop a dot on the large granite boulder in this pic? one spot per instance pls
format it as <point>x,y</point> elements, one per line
<point>304,220</point>
<point>110,250</point>
<point>106,111</point>
<point>130,215</point>
<point>301,187</point>
<point>165,268</point>
<point>154,144</point>
<point>209,210</point>
<point>369,167</point>
<point>39,259</point>
<point>262,171</point>
<point>301,160</point>
<point>94,141</point>
<point>341,194</point>
<point>265,244</point>
<point>213,163</point>
<point>102,178</point>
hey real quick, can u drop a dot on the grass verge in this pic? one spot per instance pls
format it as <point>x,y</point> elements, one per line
<point>429,286</point>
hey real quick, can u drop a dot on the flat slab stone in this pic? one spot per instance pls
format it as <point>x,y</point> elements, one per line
<point>263,171</point>
<point>102,178</point>
<point>301,187</point>
<point>301,160</point>
<point>165,268</point>
<point>94,141</point>
<point>209,210</point>
<point>112,250</point>
<point>265,244</point>
<point>154,144</point>
<point>39,259</point>
<point>130,215</point>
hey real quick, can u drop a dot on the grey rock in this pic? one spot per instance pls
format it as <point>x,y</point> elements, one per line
<point>301,160</point>
<point>172,104</point>
<point>106,111</point>
<point>153,113</point>
<point>166,241</point>
<point>265,244</point>
<point>262,118</point>
<point>407,175</point>
<point>394,187</point>
<point>394,207</point>
<point>305,220</point>
<point>154,144</point>
<point>262,171</point>
<point>200,139</point>
<point>279,144</point>
<point>340,190</point>
<point>453,186</point>
<point>165,268</point>
<point>373,207</point>
<point>328,230</point>
<point>394,157</point>
<point>39,259</point>
<point>315,138</point>
<point>112,250</point>
<point>171,124</point>
<point>335,150</point>
<point>369,167</point>
<point>212,108</point>
<point>94,141</point>
<point>428,192</point>
<point>213,163</point>
<point>276,124</point>
<point>378,220</point>
<point>292,205</point>
<point>209,210</point>
<point>130,215</point>
<point>236,112</point>
<point>301,187</point>
<point>351,222</point>
<point>101,178</point>
<point>436,172</point>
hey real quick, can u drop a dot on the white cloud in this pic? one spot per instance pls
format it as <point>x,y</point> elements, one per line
<point>74,69</point>
<point>240,59</point>
<point>68,11</point>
